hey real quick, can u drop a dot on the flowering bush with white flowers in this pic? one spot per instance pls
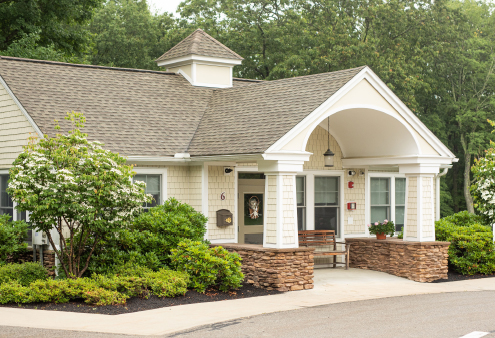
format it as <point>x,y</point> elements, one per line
<point>386,227</point>
<point>483,188</point>
<point>76,187</point>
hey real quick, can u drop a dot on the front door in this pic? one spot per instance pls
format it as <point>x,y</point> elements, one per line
<point>251,210</point>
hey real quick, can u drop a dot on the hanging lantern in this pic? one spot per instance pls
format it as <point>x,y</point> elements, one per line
<point>328,155</point>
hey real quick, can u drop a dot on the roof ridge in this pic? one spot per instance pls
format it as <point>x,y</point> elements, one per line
<point>259,82</point>
<point>212,39</point>
<point>59,63</point>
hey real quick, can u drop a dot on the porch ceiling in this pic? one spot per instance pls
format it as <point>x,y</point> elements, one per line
<point>370,133</point>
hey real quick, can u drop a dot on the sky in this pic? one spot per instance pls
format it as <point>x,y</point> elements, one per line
<point>165,5</point>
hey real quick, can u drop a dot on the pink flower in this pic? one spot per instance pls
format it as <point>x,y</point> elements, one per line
<point>376,223</point>
<point>385,222</point>
<point>369,225</point>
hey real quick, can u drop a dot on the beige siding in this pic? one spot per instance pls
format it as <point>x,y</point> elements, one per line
<point>217,184</point>
<point>412,208</point>
<point>318,145</point>
<point>214,75</point>
<point>271,210</point>
<point>288,208</point>
<point>15,129</point>
<point>184,183</point>
<point>427,207</point>
<point>355,195</point>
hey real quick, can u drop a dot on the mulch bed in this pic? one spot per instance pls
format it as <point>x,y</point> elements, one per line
<point>136,304</point>
<point>455,276</point>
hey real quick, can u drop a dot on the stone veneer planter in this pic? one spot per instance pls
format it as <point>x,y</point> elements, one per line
<point>418,261</point>
<point>275,269</point>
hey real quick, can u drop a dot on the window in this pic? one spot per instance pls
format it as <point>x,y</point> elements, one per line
<point>153,187</point>
<point>380,199</point>
<point>400,202</point>
<point>301,202</point>
<point>7,206</point>
<point>327,203</point>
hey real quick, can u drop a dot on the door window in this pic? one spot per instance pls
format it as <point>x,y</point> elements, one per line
<point>327,204</point>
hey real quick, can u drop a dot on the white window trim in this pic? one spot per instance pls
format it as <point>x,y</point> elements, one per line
<point>310,197</point>
<point>156,171</point>
<point>392,177</point>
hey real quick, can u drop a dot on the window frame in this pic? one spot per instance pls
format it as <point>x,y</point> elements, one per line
<point>305,199</point>
<point>389,204</point>
<point>163,179</point>
<point>310,197</point>
<point>391,176</point>
<point>14,213</point>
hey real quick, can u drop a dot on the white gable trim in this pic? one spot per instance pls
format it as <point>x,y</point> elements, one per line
<point>21,108</point>
<point>366,74</point>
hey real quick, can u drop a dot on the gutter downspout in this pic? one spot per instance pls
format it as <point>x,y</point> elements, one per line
<point>437,192</point>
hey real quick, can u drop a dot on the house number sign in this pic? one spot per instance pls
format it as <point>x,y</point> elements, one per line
<point>222,196</point>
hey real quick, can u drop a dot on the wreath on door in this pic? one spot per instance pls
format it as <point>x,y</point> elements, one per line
<point>254,207</point>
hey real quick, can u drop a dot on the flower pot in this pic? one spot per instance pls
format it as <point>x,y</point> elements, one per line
<point>381,236</point>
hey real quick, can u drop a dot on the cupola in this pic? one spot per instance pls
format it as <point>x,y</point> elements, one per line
<point>202,60</point>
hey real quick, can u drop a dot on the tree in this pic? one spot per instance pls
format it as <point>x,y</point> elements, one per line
<point>72,185</point>
<point>463,76</point>
<point>127,34</point>
<point>58,22</point>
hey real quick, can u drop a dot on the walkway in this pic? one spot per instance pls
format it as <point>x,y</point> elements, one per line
<point>331,286</point>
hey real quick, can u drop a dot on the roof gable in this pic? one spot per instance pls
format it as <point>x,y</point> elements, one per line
<point>200,43</point>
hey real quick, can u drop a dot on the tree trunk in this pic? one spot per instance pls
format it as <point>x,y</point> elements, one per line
<point>467,183</point>
<point>455,191</point>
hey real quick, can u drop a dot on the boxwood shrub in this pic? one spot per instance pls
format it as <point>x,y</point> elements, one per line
<point>24,273</point>
<point>472,250</point>
<point>98,289</point>
<point>208,266</point>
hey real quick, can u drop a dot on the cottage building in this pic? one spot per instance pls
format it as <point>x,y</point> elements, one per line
<point>247,148</point>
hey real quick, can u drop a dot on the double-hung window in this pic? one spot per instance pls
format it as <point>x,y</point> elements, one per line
<point>301,202</point>
<point>388,199</point>
<point>327,203</point>
<point>7,206</point>
<point>155,186</point>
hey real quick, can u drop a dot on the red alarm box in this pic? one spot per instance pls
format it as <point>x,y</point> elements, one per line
<point>351,205</point>
<point>350,185</point>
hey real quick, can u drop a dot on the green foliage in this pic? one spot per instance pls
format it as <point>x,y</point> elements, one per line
<point>69,183</point>
<point>386,227</point>
<point>401,233</point>
<point>24,273</point>
<point>483,188</point>
<point>12,236</point>
<point>149,240</point>
<point>126,34</point>
<point>472,249</point>
<point>97,290</point>
<point>208,266</point>
<point>59,23</point>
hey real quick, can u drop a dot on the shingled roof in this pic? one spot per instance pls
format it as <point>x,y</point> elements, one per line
<point>154,113</point>
<point>200,43</point>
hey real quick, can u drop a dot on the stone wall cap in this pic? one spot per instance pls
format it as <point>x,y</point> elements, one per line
<point>395,241</point>
<point>255,247</point>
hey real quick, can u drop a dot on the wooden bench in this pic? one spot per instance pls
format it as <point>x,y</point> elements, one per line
<point>316,238</point>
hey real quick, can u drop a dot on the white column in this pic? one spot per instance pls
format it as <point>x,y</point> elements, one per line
<point>280,224</point>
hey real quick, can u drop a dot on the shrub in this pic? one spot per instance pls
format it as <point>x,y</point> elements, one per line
<point>207,266</point>
<point>24,273</point>
<point>151,237</point>
<point>472,249</point>
<point>97,290</point>
<point>12,236</point>
<point>464,218</point>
